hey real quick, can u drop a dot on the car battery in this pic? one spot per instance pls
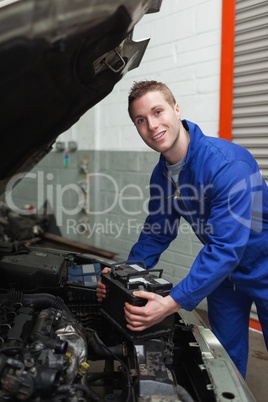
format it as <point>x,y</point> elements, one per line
<point>123,279</point>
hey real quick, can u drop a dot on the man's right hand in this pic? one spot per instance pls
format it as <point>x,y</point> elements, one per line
<point>101,288</point>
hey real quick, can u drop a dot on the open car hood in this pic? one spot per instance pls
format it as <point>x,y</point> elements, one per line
<point>58,59</point>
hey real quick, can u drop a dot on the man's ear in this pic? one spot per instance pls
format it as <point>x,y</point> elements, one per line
<point>177,110</point>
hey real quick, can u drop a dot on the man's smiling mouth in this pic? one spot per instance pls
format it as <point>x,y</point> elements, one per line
<point>159,135</point>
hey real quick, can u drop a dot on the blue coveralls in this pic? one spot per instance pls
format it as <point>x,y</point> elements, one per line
<point>223,196</point>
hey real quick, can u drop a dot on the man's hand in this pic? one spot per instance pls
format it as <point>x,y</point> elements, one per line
<point>101,288</point>
<point>156,309</point>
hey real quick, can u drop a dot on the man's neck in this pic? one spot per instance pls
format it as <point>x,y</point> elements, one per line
<point>178,153</point>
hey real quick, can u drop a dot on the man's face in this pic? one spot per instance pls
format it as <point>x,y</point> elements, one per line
<point>157,122</point>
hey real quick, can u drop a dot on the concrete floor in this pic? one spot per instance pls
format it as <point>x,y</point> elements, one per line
<point>257,371</point>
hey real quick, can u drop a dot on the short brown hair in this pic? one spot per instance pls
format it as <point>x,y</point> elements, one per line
<point>140,88</point>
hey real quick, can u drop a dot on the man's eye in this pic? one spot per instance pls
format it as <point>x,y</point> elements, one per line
<point>158,112</point>
<point>140,121</point>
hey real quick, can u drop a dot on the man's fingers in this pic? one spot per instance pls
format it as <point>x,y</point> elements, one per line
<point>143,294</point>
<point>101,285</point>
<point>137,316</point>
<point>136,323</point>
<point>101,288</point>
<point>106,270</point>
<point>136,328</point>
<point>131,309</point>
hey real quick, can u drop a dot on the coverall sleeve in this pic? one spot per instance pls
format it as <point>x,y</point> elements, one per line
<point>232,194</point>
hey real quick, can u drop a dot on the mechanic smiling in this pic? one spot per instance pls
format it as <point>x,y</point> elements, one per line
<point>231,270</point>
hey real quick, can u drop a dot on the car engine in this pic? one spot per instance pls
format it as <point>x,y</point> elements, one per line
<point>59,344</point>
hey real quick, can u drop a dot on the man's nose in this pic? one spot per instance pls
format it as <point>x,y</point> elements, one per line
<point>152,123</point>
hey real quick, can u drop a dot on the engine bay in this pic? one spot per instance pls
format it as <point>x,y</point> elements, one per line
<point>59,344</point>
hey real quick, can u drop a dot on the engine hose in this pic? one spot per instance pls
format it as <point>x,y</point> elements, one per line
<point>116,357</point>
<point>100,376</point>
<point>99,349</point>
<point>89,392</point>
<point>41,300</point>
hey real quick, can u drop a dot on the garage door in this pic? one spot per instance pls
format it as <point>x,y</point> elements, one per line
<point>250,91</point>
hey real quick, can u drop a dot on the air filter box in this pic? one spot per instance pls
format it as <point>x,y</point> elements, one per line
<point>32,271</point>
<point>123,279</point>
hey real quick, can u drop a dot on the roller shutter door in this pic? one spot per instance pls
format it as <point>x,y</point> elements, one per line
<point>250,90</point>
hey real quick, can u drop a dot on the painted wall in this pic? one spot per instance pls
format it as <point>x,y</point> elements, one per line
<point>101,197</point>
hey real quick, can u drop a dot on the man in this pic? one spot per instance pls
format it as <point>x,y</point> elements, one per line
<point>217,187</point>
